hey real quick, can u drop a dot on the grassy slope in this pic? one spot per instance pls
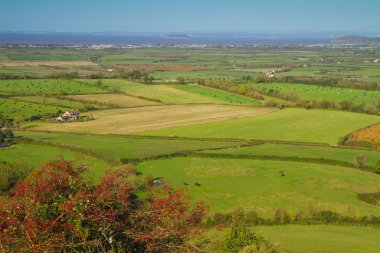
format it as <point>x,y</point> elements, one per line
<point>323,239</point>
<point>38,154</point>
<point>253,184</point>
<point>289,125</point>
<point>283,150</point>
<point>123,148</point>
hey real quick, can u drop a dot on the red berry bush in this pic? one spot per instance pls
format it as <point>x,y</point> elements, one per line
<point>57,210</point>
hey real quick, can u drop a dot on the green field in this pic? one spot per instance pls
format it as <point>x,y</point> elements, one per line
<point>123,147</point>
<point>322,238</point>
<point>23,110</point>
<point>44,100</point>
<point>299,125</point>
<point>320,93</point>
<point>35,155</point>
<point>45,86</point>
<point>222,96</point>
<point>257,185</point>
<point>283,150</point>
<point>176,93</point>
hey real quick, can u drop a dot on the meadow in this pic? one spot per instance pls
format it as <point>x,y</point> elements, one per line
<point>23,110</point>
<point>299,125</point>
<point>301,151</point>
<point>125,148</point>
<point>226,184</point>
<point>45,86</point>
<point>177,94</point>
<point>36,155</point>
<point>115,100</point>
<point>320,93</point>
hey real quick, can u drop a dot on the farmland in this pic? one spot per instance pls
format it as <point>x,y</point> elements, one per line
<point>229,183</point>
<point>286,125</point>
<point>320,93</point>
<point>208,120</point>
<point>152,117</point>
<point>45,86</point>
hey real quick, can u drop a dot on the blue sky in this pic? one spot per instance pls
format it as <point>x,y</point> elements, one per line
<point>189,15</point>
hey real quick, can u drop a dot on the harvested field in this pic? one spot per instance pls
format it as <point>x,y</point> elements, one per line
<point>126,121</point>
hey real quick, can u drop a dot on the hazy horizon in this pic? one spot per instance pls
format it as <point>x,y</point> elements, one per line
<point>190,16</point>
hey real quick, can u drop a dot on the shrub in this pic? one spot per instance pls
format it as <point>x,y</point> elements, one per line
<point>57,210</point>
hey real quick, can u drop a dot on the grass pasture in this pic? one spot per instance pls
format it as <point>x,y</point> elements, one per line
<point>322,238</point>
<point>47,86</point>
<point>131,120</point>
<point>118,100</point>
<point>35,155</point>
<point>177,94</point>
<point>257,185</point>
<point>124,148</point>
<point>53,101</point>
<point>319,93</point>
<point>284,150</point>
<point>222,96</point>
<point>300,125</point>
<point>23,110</point>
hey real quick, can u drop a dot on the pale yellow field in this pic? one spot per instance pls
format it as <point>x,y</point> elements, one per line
<point>114,99</point>
<point>126,121</point>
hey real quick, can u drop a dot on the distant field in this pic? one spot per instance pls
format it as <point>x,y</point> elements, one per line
<point>114,99</point>
<point>319,93</point>
<point>322,238</point>
<point>48,86</point>
<point>36,155</point>
<point>125,121</point>
<point>257,185</point>
<point>121,147</point>
<point>23,110</point>
<point>177,93</point>
<point>222,96</point>
<point>323,126</point>
<point>282,150</point>
<point>57,102</point>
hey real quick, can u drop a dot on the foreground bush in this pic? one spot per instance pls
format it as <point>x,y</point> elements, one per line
<point>57,210</point>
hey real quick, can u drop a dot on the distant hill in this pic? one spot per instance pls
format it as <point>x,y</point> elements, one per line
<point>357,40</point>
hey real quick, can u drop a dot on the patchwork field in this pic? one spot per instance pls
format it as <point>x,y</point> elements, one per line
<point>299,125</point>
<point>226,184</point>
<point>125,121</point>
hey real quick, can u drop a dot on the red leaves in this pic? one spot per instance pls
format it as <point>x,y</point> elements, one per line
<point>57,210</point>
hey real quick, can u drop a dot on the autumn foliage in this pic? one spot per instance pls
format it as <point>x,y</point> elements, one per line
<point>57,210</point>
<point>369,136</point>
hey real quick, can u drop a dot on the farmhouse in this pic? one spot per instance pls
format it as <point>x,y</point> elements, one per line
<point>68,115</point>
<point>271,73</point>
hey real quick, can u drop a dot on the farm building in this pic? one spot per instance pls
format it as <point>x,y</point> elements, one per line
<point>68,115</point>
